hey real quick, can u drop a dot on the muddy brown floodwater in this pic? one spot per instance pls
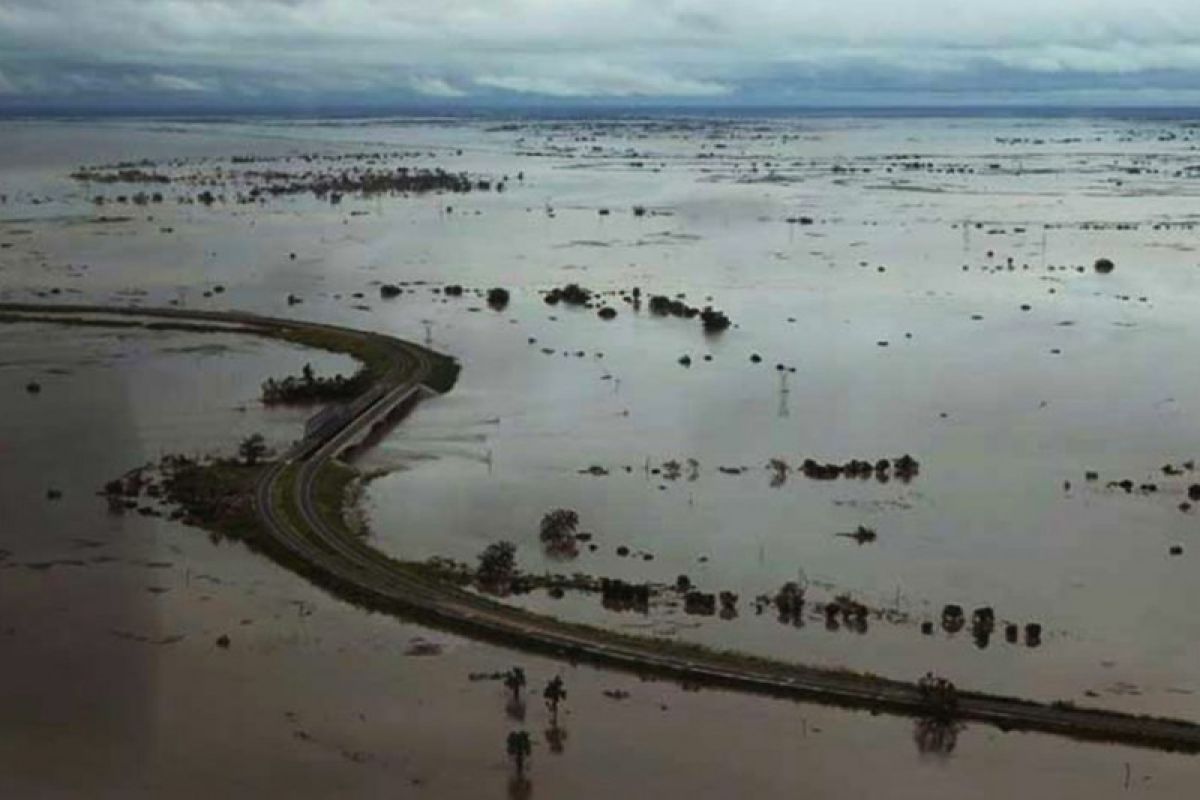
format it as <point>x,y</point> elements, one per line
<point>113,682</point>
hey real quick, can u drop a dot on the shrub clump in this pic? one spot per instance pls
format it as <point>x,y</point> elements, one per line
<point>713,320</point>
<point>572,294</point>
<point>497,564</point>
<point>308,388</point>
<point>666,306</point>
<point>558,531</point>
<point>497,298</point>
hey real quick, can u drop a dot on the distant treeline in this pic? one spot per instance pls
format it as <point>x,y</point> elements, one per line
<point>329,184</point>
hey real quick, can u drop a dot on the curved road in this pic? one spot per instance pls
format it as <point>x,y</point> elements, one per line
<point>352,565</point>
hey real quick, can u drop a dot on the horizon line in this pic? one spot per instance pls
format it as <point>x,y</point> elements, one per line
<point>453,110</point>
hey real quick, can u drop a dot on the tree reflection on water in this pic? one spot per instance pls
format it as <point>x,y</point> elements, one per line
<point>937,736</point>
<point>519,788</point>
<point>556,738</point>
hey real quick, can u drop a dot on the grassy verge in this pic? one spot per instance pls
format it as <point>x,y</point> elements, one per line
<point>284,500</point>
<point>330,494</point>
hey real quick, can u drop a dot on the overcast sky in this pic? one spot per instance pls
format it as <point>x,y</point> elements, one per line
<point>710,52</point>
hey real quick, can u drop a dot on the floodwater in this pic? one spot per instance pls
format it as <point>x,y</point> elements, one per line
<point>1002,407</point>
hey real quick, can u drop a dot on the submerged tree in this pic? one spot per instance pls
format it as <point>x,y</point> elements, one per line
<point>497,563</point>
<point>714,321</point>
<point>779,472</point>
<point>559,523</point>
<point>514,681</point>
<point>558,532</point>
<point>554,693</point>
<point>497,298</point>
<point>519,748</point>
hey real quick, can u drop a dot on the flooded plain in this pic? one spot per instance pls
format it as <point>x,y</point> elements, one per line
<point>921,287</point>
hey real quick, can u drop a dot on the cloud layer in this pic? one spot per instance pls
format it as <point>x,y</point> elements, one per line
<point>464,51</point>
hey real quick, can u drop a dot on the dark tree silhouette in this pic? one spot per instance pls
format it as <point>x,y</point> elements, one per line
<point>554,693</point>
<point>714,321</point>
<point>252,449</point>
<point>497,298</point>
<point>497,563</point>
<point>558,532</point>
<point>514,681</point>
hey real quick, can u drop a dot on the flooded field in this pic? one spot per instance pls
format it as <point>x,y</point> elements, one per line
<point>896,287</point>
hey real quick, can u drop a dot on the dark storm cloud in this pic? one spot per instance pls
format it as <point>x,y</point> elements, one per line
<point>703,50</point>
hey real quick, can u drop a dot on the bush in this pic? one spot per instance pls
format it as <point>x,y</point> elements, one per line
<point>308,388</point>
<point>252,449</point>
<point>572,294</point>
<point>497,298</point>
<point>559,524</point>
<point>497,563</point>
<point>713,320</point>
<point>663,305</point>
<point>558,532</point>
